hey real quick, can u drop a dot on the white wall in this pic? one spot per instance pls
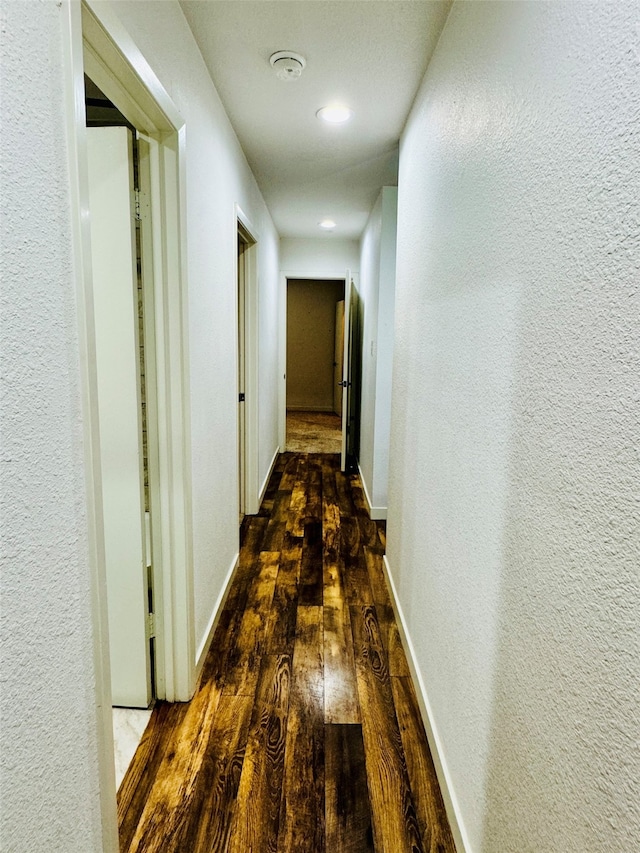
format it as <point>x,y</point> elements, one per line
<point>217,177</point>
<point>323,257</point>
<point>513,510</point>
<point>49,776</point>
<point>377,290</point>
<point>50,670</point>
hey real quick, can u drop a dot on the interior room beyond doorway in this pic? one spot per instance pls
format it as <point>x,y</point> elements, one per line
<point>315,336</point>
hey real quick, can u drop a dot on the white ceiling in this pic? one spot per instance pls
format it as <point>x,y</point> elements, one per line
<point>369,54</point>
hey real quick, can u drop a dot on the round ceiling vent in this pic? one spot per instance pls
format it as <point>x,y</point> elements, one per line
<point>287,64</point>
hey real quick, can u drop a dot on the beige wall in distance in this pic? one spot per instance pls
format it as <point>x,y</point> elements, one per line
<point>311,321</point>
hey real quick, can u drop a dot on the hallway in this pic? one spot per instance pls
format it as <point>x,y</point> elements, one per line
<point>304,733</point>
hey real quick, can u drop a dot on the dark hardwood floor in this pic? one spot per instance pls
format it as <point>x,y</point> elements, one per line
<point>304,734</point>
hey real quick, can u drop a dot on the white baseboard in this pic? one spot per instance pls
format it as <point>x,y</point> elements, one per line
<point>215,615</point>
<point>451,804</point>
<point>376,513</point>
<point>265,483</point>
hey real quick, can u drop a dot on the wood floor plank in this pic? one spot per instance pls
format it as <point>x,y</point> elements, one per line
<point>304,733</point>
<point>395,826</point>
<point>356,577</point>
<point>274,534</point>
<point>141,773</point>
<point>330,514</point>
<point>253,530</point>
<point>341,690</point>
<point>169,802</point>
<point>302,810</point>
<point>396,658</point>
<point>297,508</point>
<point>266,507</point>
<point>257,814</point>
<point>345,500</point>
<point>244,661</point>
<point>430,810</point>
<point>313,508</point>
<point>377,580</point>
<point>311,566</point>
<point>347,809</point>
<point>290,472</point>
<point>208,827</point>
<point>369,534</point>
<point>358,497</point>
<point>280,630</point>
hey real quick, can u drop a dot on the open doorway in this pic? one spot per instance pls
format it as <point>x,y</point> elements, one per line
<point>118,172</point>
<point>127,157</point>
<point>246,271</point>
<point>315,343</point>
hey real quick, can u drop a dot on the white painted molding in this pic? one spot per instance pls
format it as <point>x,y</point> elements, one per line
<point>218,607</point>
<point>113,60</point>
<point>376,513</point>
<point>311,275</point>
<point>265,482</point>
<point>285,275</point>
<point>244,226</point>
<point>437,753</point>
<point>82,280</point>
<point>127,70</point>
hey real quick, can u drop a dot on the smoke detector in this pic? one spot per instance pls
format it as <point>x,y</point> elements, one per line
<point>287,64</point>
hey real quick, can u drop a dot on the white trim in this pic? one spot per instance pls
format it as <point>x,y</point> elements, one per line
<point>265,482</point>
<point>311,276</point>
<point>282,362</point>
<point>124,75</point>
<point>376,513</point>
<point>218,607</point>
<point>437,753</point>
<point>282,387</point>
<point>124,72</point>
<point>244,227</point>
<point>82,278</point>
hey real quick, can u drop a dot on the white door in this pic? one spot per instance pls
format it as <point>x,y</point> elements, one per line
<point>346,355</point>
<point>112,212</point>
<point>242,426</point>
<point>337,358</point>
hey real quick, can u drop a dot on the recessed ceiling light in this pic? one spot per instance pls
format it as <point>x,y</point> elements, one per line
<point>327,224</point>
<point>335,113</point>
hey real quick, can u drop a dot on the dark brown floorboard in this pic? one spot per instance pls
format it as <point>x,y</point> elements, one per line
<point>304,735</point>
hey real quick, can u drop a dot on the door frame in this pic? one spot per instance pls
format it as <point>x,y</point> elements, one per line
<point>247,233</point>
<point>285,275</point>
<point>96,42</point>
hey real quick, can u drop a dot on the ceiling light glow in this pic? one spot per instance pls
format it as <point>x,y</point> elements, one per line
<point>327,224</point>
<point>335,113</point>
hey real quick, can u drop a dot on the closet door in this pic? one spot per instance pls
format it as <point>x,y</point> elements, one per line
<point>114,262</point>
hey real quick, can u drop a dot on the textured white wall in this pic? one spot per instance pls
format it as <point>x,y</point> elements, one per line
<point>48,741</point>
<point>377,291</point>
<point>323,257</point>
<point>368,290</point>
<point>217,177</point>
<point>514,534</point>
